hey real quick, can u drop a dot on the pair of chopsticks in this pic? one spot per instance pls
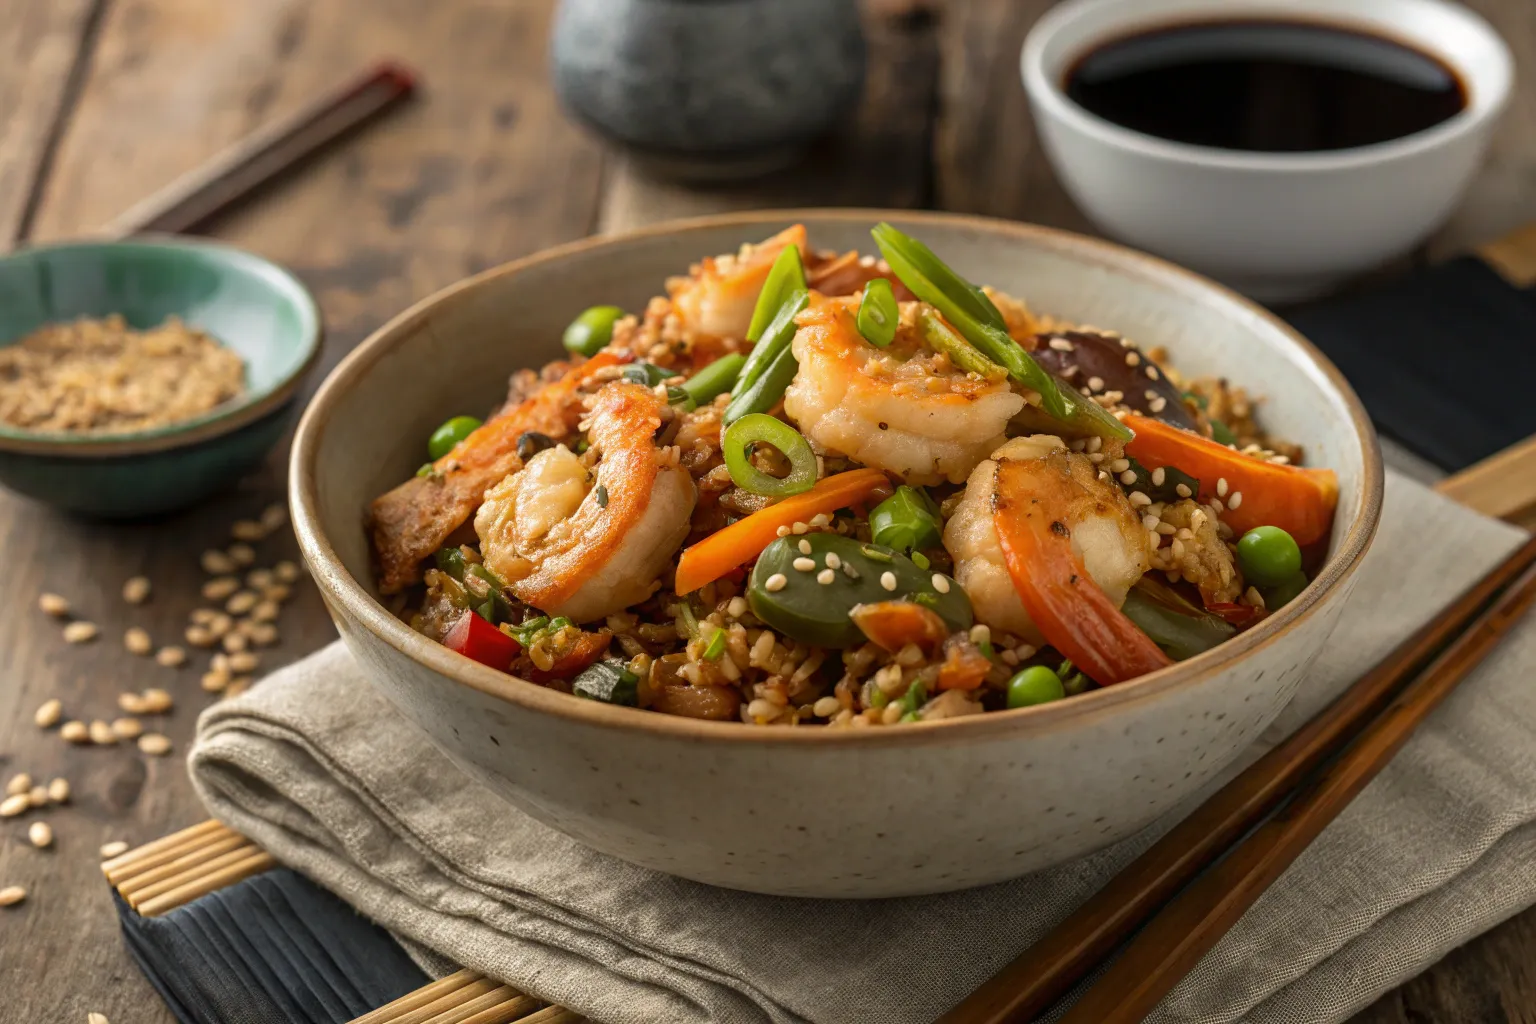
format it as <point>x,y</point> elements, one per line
<point>1237,840</point>
<point>195,198</point>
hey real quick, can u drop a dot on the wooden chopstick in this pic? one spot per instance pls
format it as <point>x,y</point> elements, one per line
<point>230,176</point>
<point>1047,970</point>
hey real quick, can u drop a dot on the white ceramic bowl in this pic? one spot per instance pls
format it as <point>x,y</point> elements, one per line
<point>924,807</point>
<point>1277,226</point>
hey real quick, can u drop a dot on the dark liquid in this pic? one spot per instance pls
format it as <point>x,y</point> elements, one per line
<point>1266,86</point>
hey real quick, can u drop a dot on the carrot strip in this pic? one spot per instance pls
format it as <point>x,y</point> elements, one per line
<point>745,539</point>
<point>1299,500</point>
<point>1068,608</point>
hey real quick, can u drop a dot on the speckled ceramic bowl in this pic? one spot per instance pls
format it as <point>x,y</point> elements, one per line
<point>921,808</point>
<point>253,306</point>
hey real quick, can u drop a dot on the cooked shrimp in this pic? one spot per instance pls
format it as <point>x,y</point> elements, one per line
<point>717,298</point>
<point>1106,532</point>
<point>903,409</point>
<point>583,544</point>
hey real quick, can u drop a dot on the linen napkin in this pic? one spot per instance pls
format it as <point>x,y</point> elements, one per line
<point>327,776</point>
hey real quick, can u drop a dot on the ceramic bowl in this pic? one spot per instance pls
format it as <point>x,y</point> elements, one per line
<point>253,306</point>
<point>1278,226</point>
<point>920,808</point>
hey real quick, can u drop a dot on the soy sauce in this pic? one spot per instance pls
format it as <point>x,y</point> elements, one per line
<point>1266,86</point>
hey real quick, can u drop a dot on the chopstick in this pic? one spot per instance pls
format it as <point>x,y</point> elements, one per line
<point>233,174</point>
<point>1174,941</point>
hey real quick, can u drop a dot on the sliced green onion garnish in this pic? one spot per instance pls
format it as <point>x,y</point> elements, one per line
<point>878,315</point>
<point>786,277</point>
<point>759,428</point>
<point>961,352</point>
<point>690,623</point>
<point>977,320</point>
<point>715,379</point>
<point>765,392</point>
<point>774,340</point>
<point>716,646</point>
<point>905,521</point>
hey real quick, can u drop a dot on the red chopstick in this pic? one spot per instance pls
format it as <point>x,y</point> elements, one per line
<point>198,196</point>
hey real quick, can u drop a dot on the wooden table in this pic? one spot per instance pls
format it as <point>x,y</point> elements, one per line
<point>102,101</point>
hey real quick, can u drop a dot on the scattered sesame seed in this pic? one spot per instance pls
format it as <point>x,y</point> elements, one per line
<point>214,682</point>
<point>1218,506</point>
<point>1158,404</point>
<point>12,895</point>
<point>1138,498</point>
<point>1150,522</point>
<point>264,612</point>
<point>137,641</point>
<point>826,707</point>
<point>1120,465</point>
<point>242,554</point>
<point>154,744</point>
<point>888,580</point>
<point>136,590</point>
<point>1132,359</point>
<point>244,661</point>
<point>981,633</point>
<point>1095,457</point>
<point>798,529</point>
<point>826,576</point>
<point>75,732</point>
<point>1221,487</point>
<point>1128,477</point>
<point>803,564</point>
<point>58,791</point>
<point>1096,383</point>
<point>53,604</point>
<point>1149,394</point>
<point>1095,443</point>
<point>234,642</point>
<point>217,563</point>
<point>247,529</point>
<point>156,702</point>
<point>101,734</point>
<point>219,588</point>
<point>116,848</point>
<point>258,579</point>
<point>1152,371</point>
<point>242,602</point>
<point>1182,490</point>
<point>805,547</point>
<point>775,582</point>
<point>1235,500</point>
<point>1009,658</point>
<point>18,785</point>
<point>940,583</point>
<point>274,516</point>
<point>37,796</point>
<point>79,632</point>
<point>49,713</point>
<point>171,657</point>
<point>40,835</point>
<point>1158,476</point>
<point>1061,344</point>
<point>127,728</point>
<point>821,519</point>
<point>12,806</point>
<point>782,531</point>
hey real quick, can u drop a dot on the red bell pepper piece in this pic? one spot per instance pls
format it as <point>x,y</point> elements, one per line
<point>1300,501</point>
<point>1068,608</point>
<point>480,641</point>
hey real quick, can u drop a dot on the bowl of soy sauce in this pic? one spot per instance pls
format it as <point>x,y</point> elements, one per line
<point>1281,148</point>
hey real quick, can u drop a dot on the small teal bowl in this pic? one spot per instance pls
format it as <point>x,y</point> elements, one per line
<point>252,306</point>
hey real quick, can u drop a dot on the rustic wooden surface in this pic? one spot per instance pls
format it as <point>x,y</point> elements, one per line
<point>102,101</point>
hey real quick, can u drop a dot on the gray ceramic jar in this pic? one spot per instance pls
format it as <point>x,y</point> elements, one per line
<point>709,88</point>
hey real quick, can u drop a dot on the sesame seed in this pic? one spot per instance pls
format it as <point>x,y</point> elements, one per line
<point>1152,371</point>
<point>53,605</point>
<point>1096,383</point>
<point>1095,457</point>
<point>1095,443</point>
<point>101,734</point>
<point>804,564</point>
<point>274,516</point>
<point>775,582</point>
<point>234,642</point>
<point>1061,344</point>
<point>79,632</point>
<point>1085,391</point>
<point>244,661</point>
<point>1182,490</point>
<point>127,728</point>
<point>1176,547</point>
<point>116,848</point>
<point>1103,476</point>
<point>58,791</point>
<point>1218,506</point>
<point>1138,498</point>
<point>825,576</point>
<point>805,547</point>
<point>799,528</point>
<point>219,588</point>
<point>136,590</point>
<point>1235,500</point>
<point>826,707</point>
<point>940,583</point>
<point>217,563</point>
<point>1120,465</point>
<point>137,641</point>
<point>1158,404</point>
<point>1127,343</point>
<point>40,835</point>
<point>761,708</point>
<point>1128,477</point>
<point>1158,476</point>
<point>1221,487</point>
<point>242,554</point>
<point>1009,658</point>
<point>48,714</point>
<point>37,796</point>
<point>287,572</point>
<point>1132,359</point>
<point>1151,522</point>
<point>1149,394</point>
<point>981,633</point>
<point>12,806</point>
<point>154,744</point>
<point>888,580</point>
<point>242,602</point>
<point>782,531</point>
<point>12,895</point>
<point>213,682</point>
<point>171,657</point>
<point>155,702</point>
<point>18,785</point>
<point>247,529</point>
<point>821,519</point>
<point>74,732</point>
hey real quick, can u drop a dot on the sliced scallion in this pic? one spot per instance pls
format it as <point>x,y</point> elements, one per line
<point>759,428</point>
<point>878,314</point>
<point>785,277</point>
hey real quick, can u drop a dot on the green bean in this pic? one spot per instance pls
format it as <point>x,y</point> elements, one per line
<point>785,277</point>
<point>765,392</point>
<point>715,379</point>
<point>774,340</point>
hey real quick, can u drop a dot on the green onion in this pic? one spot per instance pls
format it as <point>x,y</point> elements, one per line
<point>773,342</point>
<point>609,681</point>
<point>759,428</point>
<point>648,374</point>
<point>451,561</point>
<point>690,623</point>
<point>1222,434</point>
<point>915,697</point>
<point>785,278</point>
<point>716,646</point>
<point>765,392</point>
<point>878,314</point>
<point>905,521</point>
<point>525,632</point>
<point>682,399</point>
<point>938,335</point>
<point>978,321</point>
<point>715,379</point>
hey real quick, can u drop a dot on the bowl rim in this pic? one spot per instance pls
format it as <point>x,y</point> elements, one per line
<point>1047,90</point>
<point>224,419</point>
<point>346,597</point>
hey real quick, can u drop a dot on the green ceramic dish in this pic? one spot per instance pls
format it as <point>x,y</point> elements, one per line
<point>253,306</point>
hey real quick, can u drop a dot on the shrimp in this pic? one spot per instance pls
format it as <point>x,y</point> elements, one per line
<point>903,409</point>
<point>716,300</point>
<point>1106,533</point>
<point>583,544</point>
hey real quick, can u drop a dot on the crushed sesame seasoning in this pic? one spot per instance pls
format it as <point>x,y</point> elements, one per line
<point>1120,465</point>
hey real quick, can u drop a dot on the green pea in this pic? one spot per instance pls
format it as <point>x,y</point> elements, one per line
<point>449,434</point>
<point>1268,556</point>
<point>1278,597</point>
<point>1034,685</point>
<point>592,330</point>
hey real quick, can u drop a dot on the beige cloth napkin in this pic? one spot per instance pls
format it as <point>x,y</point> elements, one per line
<point>322,772</point>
